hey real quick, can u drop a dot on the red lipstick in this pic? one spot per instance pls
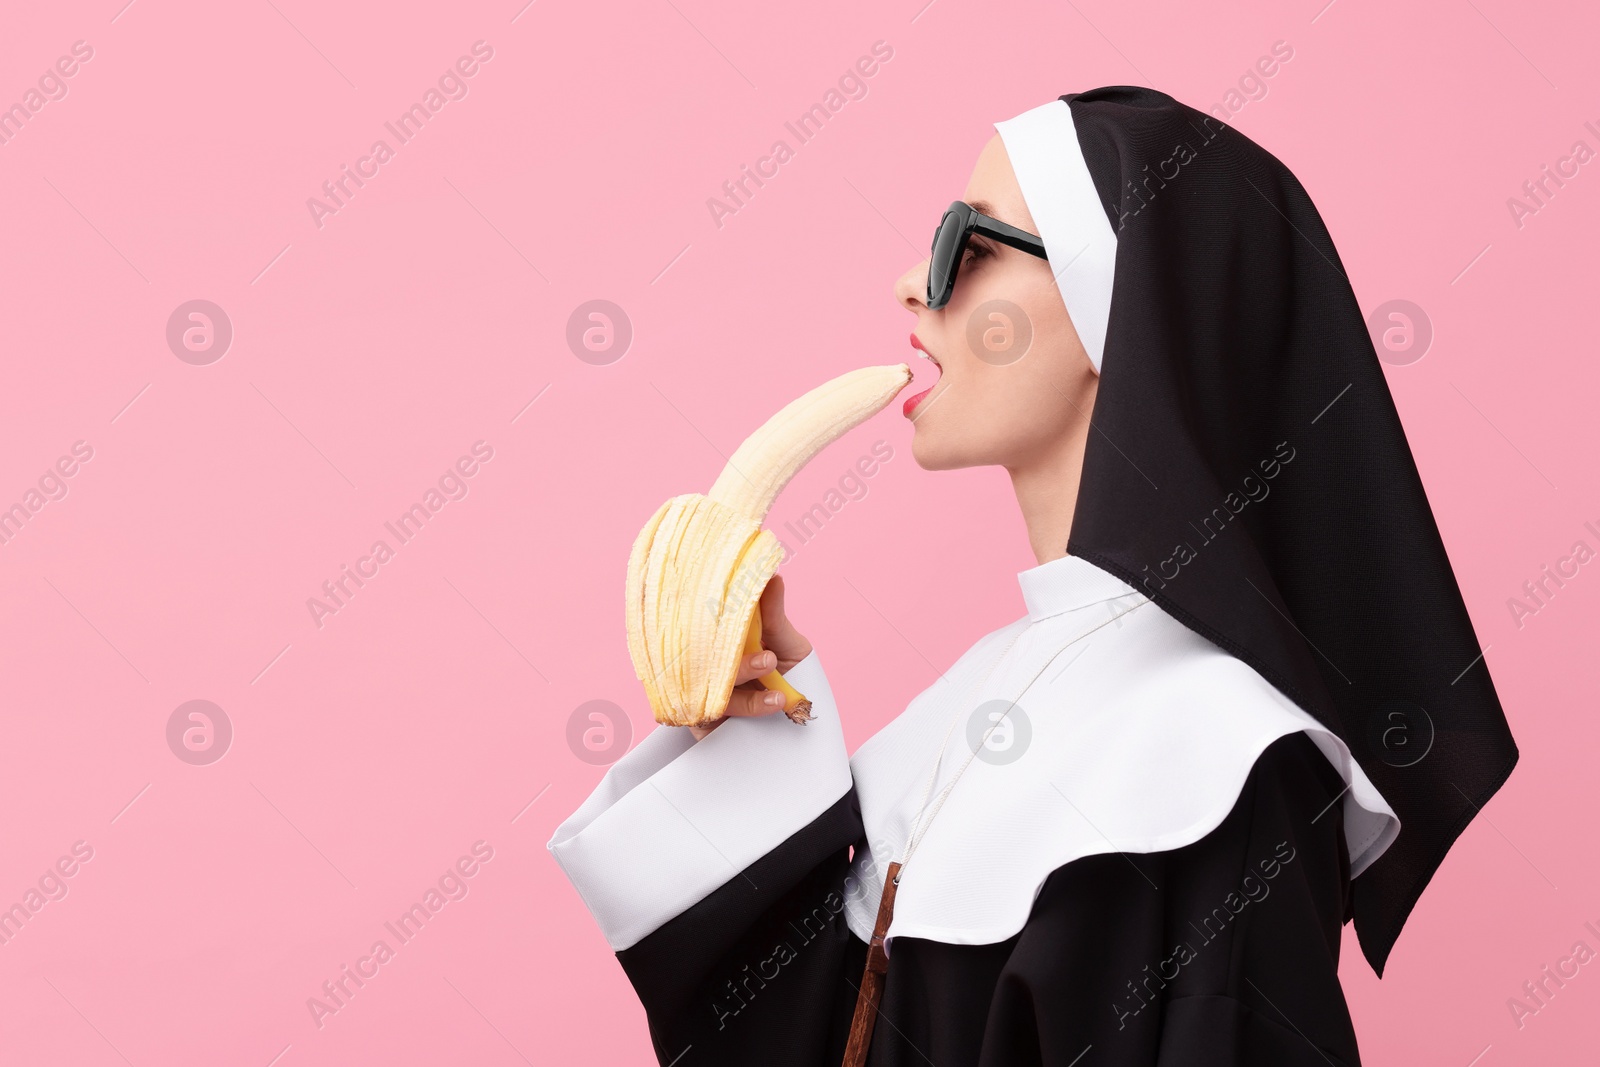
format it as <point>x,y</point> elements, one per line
<point>913,401</point>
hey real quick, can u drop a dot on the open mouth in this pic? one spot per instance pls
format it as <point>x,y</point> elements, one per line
<point>912,401</point>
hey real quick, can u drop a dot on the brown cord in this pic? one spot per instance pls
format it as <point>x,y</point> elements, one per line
<point>872,978</point>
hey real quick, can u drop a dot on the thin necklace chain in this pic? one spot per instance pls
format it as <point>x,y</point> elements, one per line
<point>925,816</point>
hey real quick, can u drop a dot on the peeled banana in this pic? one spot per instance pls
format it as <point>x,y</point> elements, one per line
<point>698,566</point>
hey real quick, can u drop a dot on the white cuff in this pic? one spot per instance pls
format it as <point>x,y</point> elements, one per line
<point>675,818</point>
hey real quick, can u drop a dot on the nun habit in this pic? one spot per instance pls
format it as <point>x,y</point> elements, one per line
<point>1247,707</point>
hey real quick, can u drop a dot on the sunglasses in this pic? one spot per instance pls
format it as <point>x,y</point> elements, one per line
<point>961,220</point>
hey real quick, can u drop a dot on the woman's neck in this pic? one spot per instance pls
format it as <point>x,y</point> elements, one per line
<point>1047,492</point>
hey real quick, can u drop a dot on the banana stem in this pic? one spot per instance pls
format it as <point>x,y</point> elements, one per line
<point>795,704</point>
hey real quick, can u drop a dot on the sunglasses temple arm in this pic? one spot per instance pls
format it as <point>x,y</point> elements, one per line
<point>1021,240</point>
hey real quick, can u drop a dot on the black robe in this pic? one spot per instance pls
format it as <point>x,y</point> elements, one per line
<point>1223,952</point>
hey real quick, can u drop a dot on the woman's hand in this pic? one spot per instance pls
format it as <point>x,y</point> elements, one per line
<point>784,647</point>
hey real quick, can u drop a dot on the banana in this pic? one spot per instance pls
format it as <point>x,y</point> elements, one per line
<point>697,568</point>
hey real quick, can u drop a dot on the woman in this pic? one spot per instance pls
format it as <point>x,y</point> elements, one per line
<point>1245,705</point>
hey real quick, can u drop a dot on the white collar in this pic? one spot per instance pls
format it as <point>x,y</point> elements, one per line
<point>1139,744</point>
<point>1066,584</point>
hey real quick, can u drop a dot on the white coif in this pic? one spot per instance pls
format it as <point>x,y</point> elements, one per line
<point>1043,147</point>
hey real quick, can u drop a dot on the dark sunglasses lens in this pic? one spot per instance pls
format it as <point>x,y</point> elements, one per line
<point>946,258</point>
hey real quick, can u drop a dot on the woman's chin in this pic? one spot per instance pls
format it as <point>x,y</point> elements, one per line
<point>926,450</point>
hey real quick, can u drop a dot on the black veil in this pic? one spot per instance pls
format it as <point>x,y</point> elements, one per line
<point>1247,468</point>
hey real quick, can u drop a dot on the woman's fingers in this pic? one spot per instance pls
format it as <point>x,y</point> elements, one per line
<point>746,701</point>
<point>753,667</point>
<point>753,700</point>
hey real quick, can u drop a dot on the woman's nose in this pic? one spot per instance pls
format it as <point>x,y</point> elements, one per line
<point>911,290</point>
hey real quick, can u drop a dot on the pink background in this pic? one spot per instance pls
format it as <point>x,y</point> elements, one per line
<point>369,354</point>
